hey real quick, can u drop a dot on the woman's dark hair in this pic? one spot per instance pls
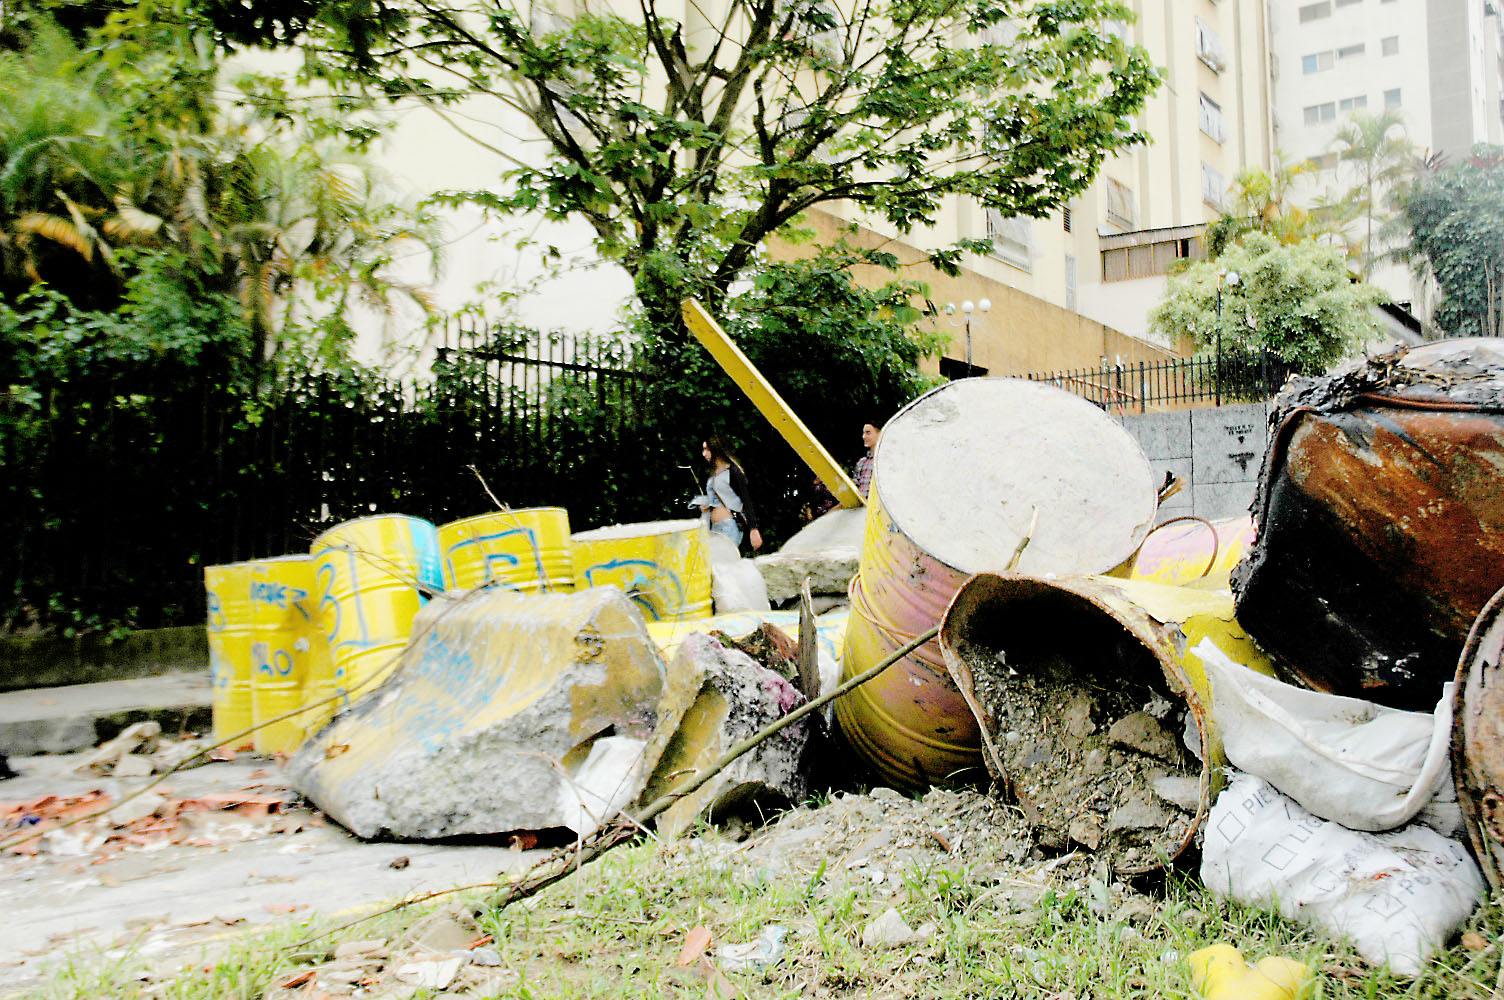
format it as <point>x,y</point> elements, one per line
<point>718,449</point>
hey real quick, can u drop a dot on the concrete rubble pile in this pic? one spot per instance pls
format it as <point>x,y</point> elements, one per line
<point>1375,573</point>
<point>515,712</point>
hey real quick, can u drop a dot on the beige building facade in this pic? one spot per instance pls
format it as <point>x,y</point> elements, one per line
<point>1437,64</point>
<point>1074,289</point>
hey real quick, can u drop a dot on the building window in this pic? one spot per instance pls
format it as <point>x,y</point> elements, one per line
<point>1315,12</point>
<point>1070,282</point>
<point>1351,51</point>
<point>1145,260</point>
<point>1392,98</point>
<point>1119,204</point>
<point>1210,115</point>
<point>1326,161</point>
<point>1348,104</point>
<point>1209,46</point>
<point>1012,238</point>
<point>1390,46</point>
<point>1065,218</point>
<point>1347,3</point>
<point>1315,114</point>
<point>1316,62</point>
<point>1213,186</point>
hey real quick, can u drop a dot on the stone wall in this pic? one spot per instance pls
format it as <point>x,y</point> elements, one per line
<point>1216,451</point>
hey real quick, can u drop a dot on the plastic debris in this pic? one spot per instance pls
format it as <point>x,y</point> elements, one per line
<point>1218,972</point>
<point>766,951</point>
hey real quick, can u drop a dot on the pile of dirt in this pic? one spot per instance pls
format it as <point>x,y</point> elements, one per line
<point>872,840</point>
<point>1092,766</point>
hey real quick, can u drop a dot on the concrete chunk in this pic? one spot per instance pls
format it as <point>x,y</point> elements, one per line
<point>829,571</point>
<point>506,712</point>
<point>727,697</point>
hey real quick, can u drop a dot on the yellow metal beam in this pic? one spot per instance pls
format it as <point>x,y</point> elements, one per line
<point>771,405</point>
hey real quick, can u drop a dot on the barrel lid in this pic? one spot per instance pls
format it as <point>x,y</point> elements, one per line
<point>961,469</point>
<point>644,529</point>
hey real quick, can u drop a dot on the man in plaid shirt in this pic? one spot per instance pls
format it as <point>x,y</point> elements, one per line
<point>862,474</point>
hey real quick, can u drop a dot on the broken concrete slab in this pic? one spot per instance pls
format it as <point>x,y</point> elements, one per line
<point>829,572</point>
<point>507,711</point>
<point>728,697</point>
<point>839,529</point>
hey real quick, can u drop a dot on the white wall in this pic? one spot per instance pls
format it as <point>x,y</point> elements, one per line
<point>423,154</point>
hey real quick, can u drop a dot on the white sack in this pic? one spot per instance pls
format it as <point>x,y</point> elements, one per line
<point>603,785</point>
<point>1397,896</point>
<point>736,584</point>
<point>1344,759</point>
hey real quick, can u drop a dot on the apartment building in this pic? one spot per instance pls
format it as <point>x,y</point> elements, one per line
<point>1437,63</point>
<point>1075,288</point>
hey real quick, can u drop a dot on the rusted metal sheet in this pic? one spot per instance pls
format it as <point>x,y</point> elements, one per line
<point>1478,739</point>
<point>1380,525</point>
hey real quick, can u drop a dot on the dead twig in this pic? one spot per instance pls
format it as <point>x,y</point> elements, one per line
<point>1023,542</point>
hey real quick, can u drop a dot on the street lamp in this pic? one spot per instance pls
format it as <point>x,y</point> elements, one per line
<point>967,309</point>
<point>1231,279</point>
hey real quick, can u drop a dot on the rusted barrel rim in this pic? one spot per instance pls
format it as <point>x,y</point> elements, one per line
<point>979,589</point>
<point>1472,810</point>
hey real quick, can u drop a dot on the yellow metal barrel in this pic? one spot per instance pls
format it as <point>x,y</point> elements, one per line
<point>289,655</point>
<point>909,722</point>
<point>964,475</point>
<point>227,590</point>
<point>370,577</point>
<point>1183,550</point>
<point>526,550</point>
<point>663,566</point>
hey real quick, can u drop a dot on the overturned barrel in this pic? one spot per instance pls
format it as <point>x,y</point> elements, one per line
<point>1093,708</point>
<point>960,474</point>
<point>663,566</point>
<point>1186,549</point>
<point>371,575</point>
<point>1478,739</point>
<point>526,549</point>
<point>1380,522</point>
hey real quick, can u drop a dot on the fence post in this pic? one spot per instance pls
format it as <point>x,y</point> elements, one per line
<point>1143,390</point>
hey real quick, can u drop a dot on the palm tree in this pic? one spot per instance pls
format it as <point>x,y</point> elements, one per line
<point>94,160</point>
<point>1264,202</point>
<point>1375,146</point>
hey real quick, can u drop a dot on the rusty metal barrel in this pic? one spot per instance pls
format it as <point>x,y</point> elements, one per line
<point>1085,689</point>
<point>1380,522</point>
<point>1478,739</point>
<point>959,476</point>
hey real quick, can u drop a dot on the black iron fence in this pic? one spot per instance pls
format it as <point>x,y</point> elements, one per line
<point>1203,381</point>
<point>124,481</point>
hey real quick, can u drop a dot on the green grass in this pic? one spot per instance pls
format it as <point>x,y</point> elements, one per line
<point>615,929</point>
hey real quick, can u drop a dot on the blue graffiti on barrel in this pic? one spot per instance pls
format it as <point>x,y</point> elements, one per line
<point>655,589</point>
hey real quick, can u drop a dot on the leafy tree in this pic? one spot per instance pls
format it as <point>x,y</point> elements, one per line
<point>1295,300</point>
<point>1456,216</point>
<point>1382,159</point>
<point>686,146</point>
